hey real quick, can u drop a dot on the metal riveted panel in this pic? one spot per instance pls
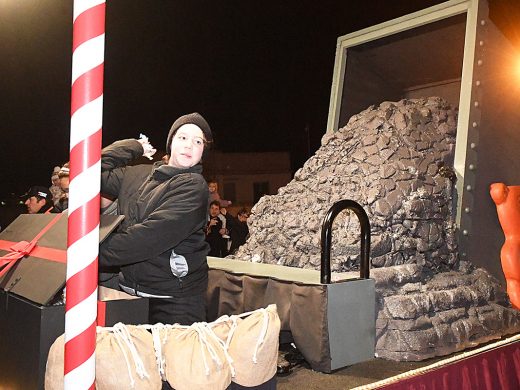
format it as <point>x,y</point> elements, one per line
<point>493,144</point>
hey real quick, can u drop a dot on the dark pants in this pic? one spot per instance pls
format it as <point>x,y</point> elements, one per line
<point>183,311</point>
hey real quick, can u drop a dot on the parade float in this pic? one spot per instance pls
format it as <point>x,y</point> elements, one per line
<point>440,128</point>
<point>425,278</point>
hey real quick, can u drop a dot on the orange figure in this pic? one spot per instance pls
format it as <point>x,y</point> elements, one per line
<point>507,199</point>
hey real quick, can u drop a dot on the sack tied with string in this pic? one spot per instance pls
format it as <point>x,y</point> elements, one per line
<point>194,358</point>
<point>253,346</point>
<point>125,359</point>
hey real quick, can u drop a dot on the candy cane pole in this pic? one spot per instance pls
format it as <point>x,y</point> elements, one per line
<point>85,175</point>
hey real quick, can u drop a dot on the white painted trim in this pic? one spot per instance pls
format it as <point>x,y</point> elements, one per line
<point>466,85</point>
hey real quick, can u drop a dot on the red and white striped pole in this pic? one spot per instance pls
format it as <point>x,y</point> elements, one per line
<point>85,175</point>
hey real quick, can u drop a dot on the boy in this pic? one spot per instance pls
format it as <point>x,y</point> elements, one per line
<point>160,245</point>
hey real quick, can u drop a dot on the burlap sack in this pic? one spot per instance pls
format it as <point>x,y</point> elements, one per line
<point>195,359</point>
<point>125,359</point>
<point>224,326</point>
<point>161,334</point>
<point>254,347</point>
<point>55,365</point>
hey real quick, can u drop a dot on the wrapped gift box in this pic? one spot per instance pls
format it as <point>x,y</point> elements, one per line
<point>31,315</point>
<point>41,274</point>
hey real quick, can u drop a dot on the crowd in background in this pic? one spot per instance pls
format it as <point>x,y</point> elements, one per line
<point>225,232</point>
<point>40,199</point>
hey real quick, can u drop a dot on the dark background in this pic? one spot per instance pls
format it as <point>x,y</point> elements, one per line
<point>259,71</point>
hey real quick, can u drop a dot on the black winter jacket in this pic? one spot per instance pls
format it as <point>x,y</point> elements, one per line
<point>165,213</point>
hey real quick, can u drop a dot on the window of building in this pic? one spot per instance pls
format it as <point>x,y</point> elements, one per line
<point>230,192</point>
<point>260,189</point>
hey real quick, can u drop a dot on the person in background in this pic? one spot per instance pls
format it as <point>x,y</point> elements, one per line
<point>55,188</point>
<point>238,229</point>
<point>214,196</point>
<point>215,231</point>
<point>63,201</point>
<point>38,200</point>
<point>160,246</point>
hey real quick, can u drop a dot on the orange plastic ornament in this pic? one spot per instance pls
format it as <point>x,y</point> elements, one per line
<point>507,199</point>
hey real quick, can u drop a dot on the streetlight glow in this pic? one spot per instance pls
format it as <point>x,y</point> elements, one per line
<point>517,67</point>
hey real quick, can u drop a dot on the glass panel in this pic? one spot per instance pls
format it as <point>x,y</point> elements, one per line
<point>421,62</point>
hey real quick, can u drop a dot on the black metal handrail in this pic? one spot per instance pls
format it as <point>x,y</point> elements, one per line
<point>326,238</point>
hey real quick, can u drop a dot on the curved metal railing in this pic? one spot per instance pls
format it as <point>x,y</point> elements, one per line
<point>326,238</point>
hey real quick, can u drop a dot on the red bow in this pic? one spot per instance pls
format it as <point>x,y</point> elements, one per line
<point>22,248</point>
<point>19,250</point>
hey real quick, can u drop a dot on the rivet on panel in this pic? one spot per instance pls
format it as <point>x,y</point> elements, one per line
<point>477,83</point>
<point>469,188</point>
<point>473,145</point>
<point>481,43</point>
<point>467,210</point>
<point>483,22</point>
<point>465,232</point>
<point>474,124</point>
<point>471,167</point>
<point>479,62</point>
<point>476,104</point>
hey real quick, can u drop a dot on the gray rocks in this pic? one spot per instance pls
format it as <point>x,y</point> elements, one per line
<point>426,317</point>
<point>387,159</point>
<point>395,160</point>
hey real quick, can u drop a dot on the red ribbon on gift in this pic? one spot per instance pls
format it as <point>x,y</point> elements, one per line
<point>24,248</point>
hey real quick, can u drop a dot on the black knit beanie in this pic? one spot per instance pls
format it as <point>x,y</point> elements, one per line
<point>194,118</point>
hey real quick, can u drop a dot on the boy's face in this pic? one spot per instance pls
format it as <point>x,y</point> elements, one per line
<point>212,187</point>
<point>187,146</point>
<point>214,210</point>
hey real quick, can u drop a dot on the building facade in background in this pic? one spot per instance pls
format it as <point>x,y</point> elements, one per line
<point>243,178</point>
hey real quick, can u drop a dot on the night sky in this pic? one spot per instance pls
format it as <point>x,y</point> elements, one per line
<point>259,71</point>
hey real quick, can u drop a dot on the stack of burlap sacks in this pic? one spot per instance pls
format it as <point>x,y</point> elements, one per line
<point>200,356</point>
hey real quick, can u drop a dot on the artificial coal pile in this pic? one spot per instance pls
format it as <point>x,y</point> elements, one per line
<point>396,161</point>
